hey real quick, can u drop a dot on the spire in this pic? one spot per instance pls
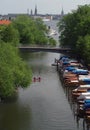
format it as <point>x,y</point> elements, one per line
<point>35,10</point>
<point>62,12</point>
<point>28,11</point>
<point>31,12</point>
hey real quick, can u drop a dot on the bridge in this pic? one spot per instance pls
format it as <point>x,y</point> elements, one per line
<point>45,49</point>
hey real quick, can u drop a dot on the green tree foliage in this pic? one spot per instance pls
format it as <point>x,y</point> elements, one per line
<point>52,41</point>
<point>40,25</point>
<point>83,48</point>
<point>32,31</point>
<point>13,71</point>
<point>24,25</point>
<point>9,34</point>
<point>74,31</point>
<point>2,28</point>
<point>74,24</point>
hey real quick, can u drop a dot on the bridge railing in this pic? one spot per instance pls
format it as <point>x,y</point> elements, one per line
<point>44,49</point>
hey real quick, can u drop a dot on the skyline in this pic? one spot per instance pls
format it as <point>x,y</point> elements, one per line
<point>43,6</point>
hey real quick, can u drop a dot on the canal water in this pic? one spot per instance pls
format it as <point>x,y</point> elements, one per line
<point>44,105</point>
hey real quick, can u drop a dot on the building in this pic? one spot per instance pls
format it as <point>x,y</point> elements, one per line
<point>44,17</point>
<point>35,13</point>
<point>5,22</point>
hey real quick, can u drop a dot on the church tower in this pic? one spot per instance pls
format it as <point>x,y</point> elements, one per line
<point>35,13</point>
<point>31,12</point>
<point>62,13</point>
<point>28,11</point>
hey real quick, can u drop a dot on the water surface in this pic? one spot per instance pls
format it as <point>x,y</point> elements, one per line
<point>43,105</point>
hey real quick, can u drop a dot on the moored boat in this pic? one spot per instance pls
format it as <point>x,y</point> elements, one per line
<point>81,89</point>
<point>76,77</point>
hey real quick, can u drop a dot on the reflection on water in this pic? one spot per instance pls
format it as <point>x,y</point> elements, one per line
<point>14,116</point>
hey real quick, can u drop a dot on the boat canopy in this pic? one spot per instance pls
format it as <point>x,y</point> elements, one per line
<point>73,61</point>
<point>74,81</point>
<point>86,105</point>
<point>75,64</point>
<point>70,68</point>
<point>84,77</point>
<point>84,86</point>
<point>86,93</point>
<point>84,96</point>
<point>64,57</point>
<point>80,71</point>
<point>81,88</point>
<point>87,101</point>
<point>87,97</point>
<point>65,63</point>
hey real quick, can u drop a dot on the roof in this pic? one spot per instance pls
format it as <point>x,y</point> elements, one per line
<point>5,22</point>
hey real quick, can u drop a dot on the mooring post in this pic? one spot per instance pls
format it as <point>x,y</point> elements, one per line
<point>57,65</point>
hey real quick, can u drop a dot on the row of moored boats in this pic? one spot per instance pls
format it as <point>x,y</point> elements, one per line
<point>76,77</point>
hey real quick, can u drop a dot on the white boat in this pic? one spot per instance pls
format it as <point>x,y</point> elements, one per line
<point>45,19</point>
<point>52,32</point>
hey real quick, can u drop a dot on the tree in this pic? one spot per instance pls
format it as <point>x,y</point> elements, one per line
<point>40,25</point>
<point>75,31</point>
<point>52,41</point>
<point>74,25</point>
<point>83,47</point>
<point>32,31</point>
<point>10,34</point>
<point>13,71</point>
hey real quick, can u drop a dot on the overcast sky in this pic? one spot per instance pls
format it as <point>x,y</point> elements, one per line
<point>43,6</point>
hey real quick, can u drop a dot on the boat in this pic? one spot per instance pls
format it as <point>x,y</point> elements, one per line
<point>70,80</point>
<point>74,75</point>
<point>81,89</point>
<point>54,64</point>
<point>52,32</point>
<point>45,19</point>
<point>36,79</point>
